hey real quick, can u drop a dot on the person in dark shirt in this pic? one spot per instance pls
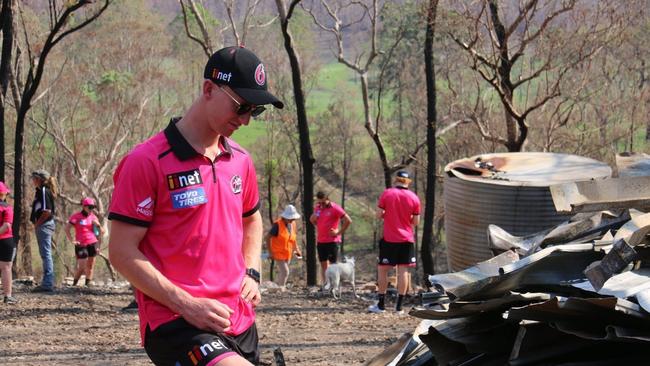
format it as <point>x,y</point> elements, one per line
<point>42,216</point>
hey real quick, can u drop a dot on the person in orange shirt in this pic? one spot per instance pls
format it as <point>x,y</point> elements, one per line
<point>281,242</point>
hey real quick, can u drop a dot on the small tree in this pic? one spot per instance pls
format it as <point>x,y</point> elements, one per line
<point>60,27</point>
<point>306,156</point>
<point>334,21</point>
<point>525,52</point>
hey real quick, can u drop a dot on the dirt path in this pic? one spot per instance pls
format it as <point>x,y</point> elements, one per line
<point>86,327</point>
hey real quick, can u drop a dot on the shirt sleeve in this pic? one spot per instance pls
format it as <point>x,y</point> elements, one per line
<point>48,200</point>
<point>381,204</point>
<point>8,216</point>
<point>134,195</point>
<point>275,229</point>
<point>416,204</point>
<point>73,219</point>
<point>251,198</point>
<point>340,211</point>
<point>40,202</point>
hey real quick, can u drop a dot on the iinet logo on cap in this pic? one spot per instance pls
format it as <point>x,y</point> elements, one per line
<point>146,207</point>
<point>218,75</point>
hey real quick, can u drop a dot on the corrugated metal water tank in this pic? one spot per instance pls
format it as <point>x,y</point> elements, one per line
<point>509,190</point>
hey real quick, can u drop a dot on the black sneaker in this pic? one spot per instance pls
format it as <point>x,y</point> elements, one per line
<point>43,289</point>
<point>133,306</point>
<point>10,300</point>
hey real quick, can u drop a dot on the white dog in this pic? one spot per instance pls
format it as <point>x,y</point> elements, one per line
<point>339,272</point>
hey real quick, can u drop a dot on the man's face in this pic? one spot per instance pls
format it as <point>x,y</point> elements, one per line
<point>322,202</point>
<point>223,106</point>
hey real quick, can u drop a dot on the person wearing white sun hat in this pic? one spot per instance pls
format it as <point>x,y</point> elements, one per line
<point>281,242</point>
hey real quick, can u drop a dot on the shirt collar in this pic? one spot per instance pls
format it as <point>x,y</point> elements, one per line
<point>182,149</point>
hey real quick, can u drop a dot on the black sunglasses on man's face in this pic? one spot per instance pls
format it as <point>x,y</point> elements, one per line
<point>243,108</point>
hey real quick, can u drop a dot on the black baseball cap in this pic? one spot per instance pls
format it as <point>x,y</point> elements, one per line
<point>403,174</point>
<point>243,72</point>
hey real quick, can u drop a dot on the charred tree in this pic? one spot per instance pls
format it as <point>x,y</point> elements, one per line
<point>426,249</point>
<point>306,156</point>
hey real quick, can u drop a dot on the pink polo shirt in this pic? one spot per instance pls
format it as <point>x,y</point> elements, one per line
<point>399,205</point>
<point>6,216</point>
<point>328,218</point>
<point>83,228</point>
<point>193,209</point>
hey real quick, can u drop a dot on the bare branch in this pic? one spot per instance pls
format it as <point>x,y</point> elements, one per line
<point>205,43</point>
<point>441,131</point>
<point>523,12</point>
<point>229,6</point>
<point>87,21</point>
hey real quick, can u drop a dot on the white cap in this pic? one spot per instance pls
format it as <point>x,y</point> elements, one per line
<point>290,213</point>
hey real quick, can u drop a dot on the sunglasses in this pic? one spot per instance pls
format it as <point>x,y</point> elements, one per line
<point>243,108</point>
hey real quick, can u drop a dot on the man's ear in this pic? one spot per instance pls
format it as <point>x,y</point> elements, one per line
<point>208,88</point>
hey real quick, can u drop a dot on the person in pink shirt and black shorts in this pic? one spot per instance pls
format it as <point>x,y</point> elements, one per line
<point>85,242</point>
<point>400,209</point>
<point>186,230</point>
<point>327,217</point>
<point>7,244</point>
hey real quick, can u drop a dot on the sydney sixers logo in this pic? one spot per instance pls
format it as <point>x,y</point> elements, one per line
<point>236,184</point>
<point>260,75</point>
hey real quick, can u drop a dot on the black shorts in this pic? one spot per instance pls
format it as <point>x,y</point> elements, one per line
<point>180,343</point>
<point>392,254</point>
<point>83,252</point>
<point>328,252</point>
<point>7,250</point>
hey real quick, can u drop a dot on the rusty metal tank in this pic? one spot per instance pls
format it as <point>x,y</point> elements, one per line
<point>510,190</point>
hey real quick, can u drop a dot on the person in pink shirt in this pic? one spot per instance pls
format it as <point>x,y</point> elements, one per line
<point>327,217</point>
<point>7,244</point>
<point>400,210</point>
<point>186,230</point>
<point>85,241</point>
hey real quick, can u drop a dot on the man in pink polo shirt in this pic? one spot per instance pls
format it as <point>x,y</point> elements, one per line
<point>326,217</point>
<point>400,210</point>
<point>185,226</point>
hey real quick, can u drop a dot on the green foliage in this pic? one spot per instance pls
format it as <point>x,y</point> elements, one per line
<point>249,135</point>
<point>111,79</point>
<point>334,80</point>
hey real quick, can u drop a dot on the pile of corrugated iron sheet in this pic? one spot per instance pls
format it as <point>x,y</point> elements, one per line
<point>575,294</point>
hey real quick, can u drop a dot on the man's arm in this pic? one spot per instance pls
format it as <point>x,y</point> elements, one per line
<point>252,250</point>
<point>4,227</point>
<point>415,220</point>
<point>313,219</point>
<point>346,221</point>
<point>208,314</point>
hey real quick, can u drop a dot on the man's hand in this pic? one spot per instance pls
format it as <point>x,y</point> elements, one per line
<point>334,231</point>
<point>207,314</point>
<point>250,291</point>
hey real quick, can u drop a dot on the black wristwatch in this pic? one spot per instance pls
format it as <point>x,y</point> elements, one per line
<point>252,273</point>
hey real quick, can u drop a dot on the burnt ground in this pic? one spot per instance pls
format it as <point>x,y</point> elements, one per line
<point>84,326</point>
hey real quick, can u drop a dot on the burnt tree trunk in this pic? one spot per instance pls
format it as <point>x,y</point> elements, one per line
<point>516,128</point>
<point>427,247</point>
<point>6,21</point>
<point>306,156</point>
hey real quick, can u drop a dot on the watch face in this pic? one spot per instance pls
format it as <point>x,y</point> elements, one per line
<point>254,274</point>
